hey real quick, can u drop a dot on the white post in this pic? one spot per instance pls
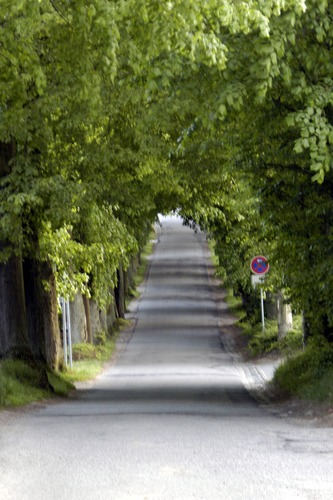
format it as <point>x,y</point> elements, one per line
<point>262,309</point>
<point>64,328</point>
<point>69,335</point>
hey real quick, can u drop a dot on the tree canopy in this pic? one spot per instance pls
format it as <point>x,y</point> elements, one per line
<point>111,112</point>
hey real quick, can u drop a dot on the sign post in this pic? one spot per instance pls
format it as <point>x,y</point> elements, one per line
<point>67,333</point>
<point>259,267</point>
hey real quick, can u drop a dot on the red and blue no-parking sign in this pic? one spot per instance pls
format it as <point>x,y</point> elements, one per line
<point>259,264</point>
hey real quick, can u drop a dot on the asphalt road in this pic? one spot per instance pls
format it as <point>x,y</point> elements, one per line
<point>171,418</point>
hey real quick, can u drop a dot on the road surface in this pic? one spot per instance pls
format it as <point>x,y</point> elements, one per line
<point>171,419</point>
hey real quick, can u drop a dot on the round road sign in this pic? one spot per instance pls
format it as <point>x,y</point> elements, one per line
<point>259,265</point>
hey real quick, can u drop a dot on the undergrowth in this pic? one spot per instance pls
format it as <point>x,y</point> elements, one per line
<point>305,373</point>
<point>21,383</point>
<point>144,261</point>
<point>264,341</point>
<point>309,374</point>
<point>89,360</point>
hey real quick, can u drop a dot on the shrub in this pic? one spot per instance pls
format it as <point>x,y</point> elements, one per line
<point>20,383</point>
<point>85,351</point>
<point>301,375</point>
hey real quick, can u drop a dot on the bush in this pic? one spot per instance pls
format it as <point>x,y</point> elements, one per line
<point>86,351</point>
<point>101,337</point>
<point>309,374</point>
<point>263,341</point>
<point>20,383</point>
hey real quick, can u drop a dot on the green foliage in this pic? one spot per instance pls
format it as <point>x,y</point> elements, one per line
<point>268,146</point>
<point>235,305</point>
<point>114,111</point>
<point>262,342</point>
<point>21,384</point>
<point>89,360</point>
<point>308,374</point>
<point>86,351</point>
<point>144,261</point>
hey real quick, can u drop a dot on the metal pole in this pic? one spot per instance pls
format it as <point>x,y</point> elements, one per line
<point>69,336</point>
<point>64,328</point>
<point>262,309</point>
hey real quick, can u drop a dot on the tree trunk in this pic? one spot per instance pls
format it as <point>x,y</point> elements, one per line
<point>78,320</point>
<point>32,287</point>
<point>50,319</point>
<point>271,305</point>
<point>129,275</point>
<point>42,312</point>
<point>95,317</point>
<point>284,316</point>
<point>120,293</point>
<point>111,314</point>
<point>306,329</point>
<point>88,318</point>
<point>13,325</point>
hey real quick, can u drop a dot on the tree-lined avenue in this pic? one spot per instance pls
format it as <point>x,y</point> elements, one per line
<point>170,419</point>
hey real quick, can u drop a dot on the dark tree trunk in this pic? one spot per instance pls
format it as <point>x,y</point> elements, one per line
<point>13,325</point>
<point>120,293</point>
<point>129,275</point>
<point>32,286</point>
<point>86,305</point>
<point>271,306</point>
<point>49,312</point>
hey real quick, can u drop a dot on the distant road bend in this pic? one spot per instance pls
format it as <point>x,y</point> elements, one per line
<point>170,419</point>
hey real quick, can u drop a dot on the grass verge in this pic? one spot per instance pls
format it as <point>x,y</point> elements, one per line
<point>308,375</point>
<point>262,342</point>
<point>235,306</point>
<point>305,374</point>
<point>89,360</point>
<point>21,383</point>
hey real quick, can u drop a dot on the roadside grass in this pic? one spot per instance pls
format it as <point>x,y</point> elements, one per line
<point>235,306</point>
<point>267,342</point>
<point>89,360</point>
<point>307,375</point>
<point>262,342</point>
<point>19,384</point>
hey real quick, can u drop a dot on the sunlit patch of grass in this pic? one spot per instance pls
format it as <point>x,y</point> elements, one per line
<point>21,383</point>
<point>89,361</point>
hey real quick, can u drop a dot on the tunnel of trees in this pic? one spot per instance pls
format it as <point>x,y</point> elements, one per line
<point>114,111</point>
